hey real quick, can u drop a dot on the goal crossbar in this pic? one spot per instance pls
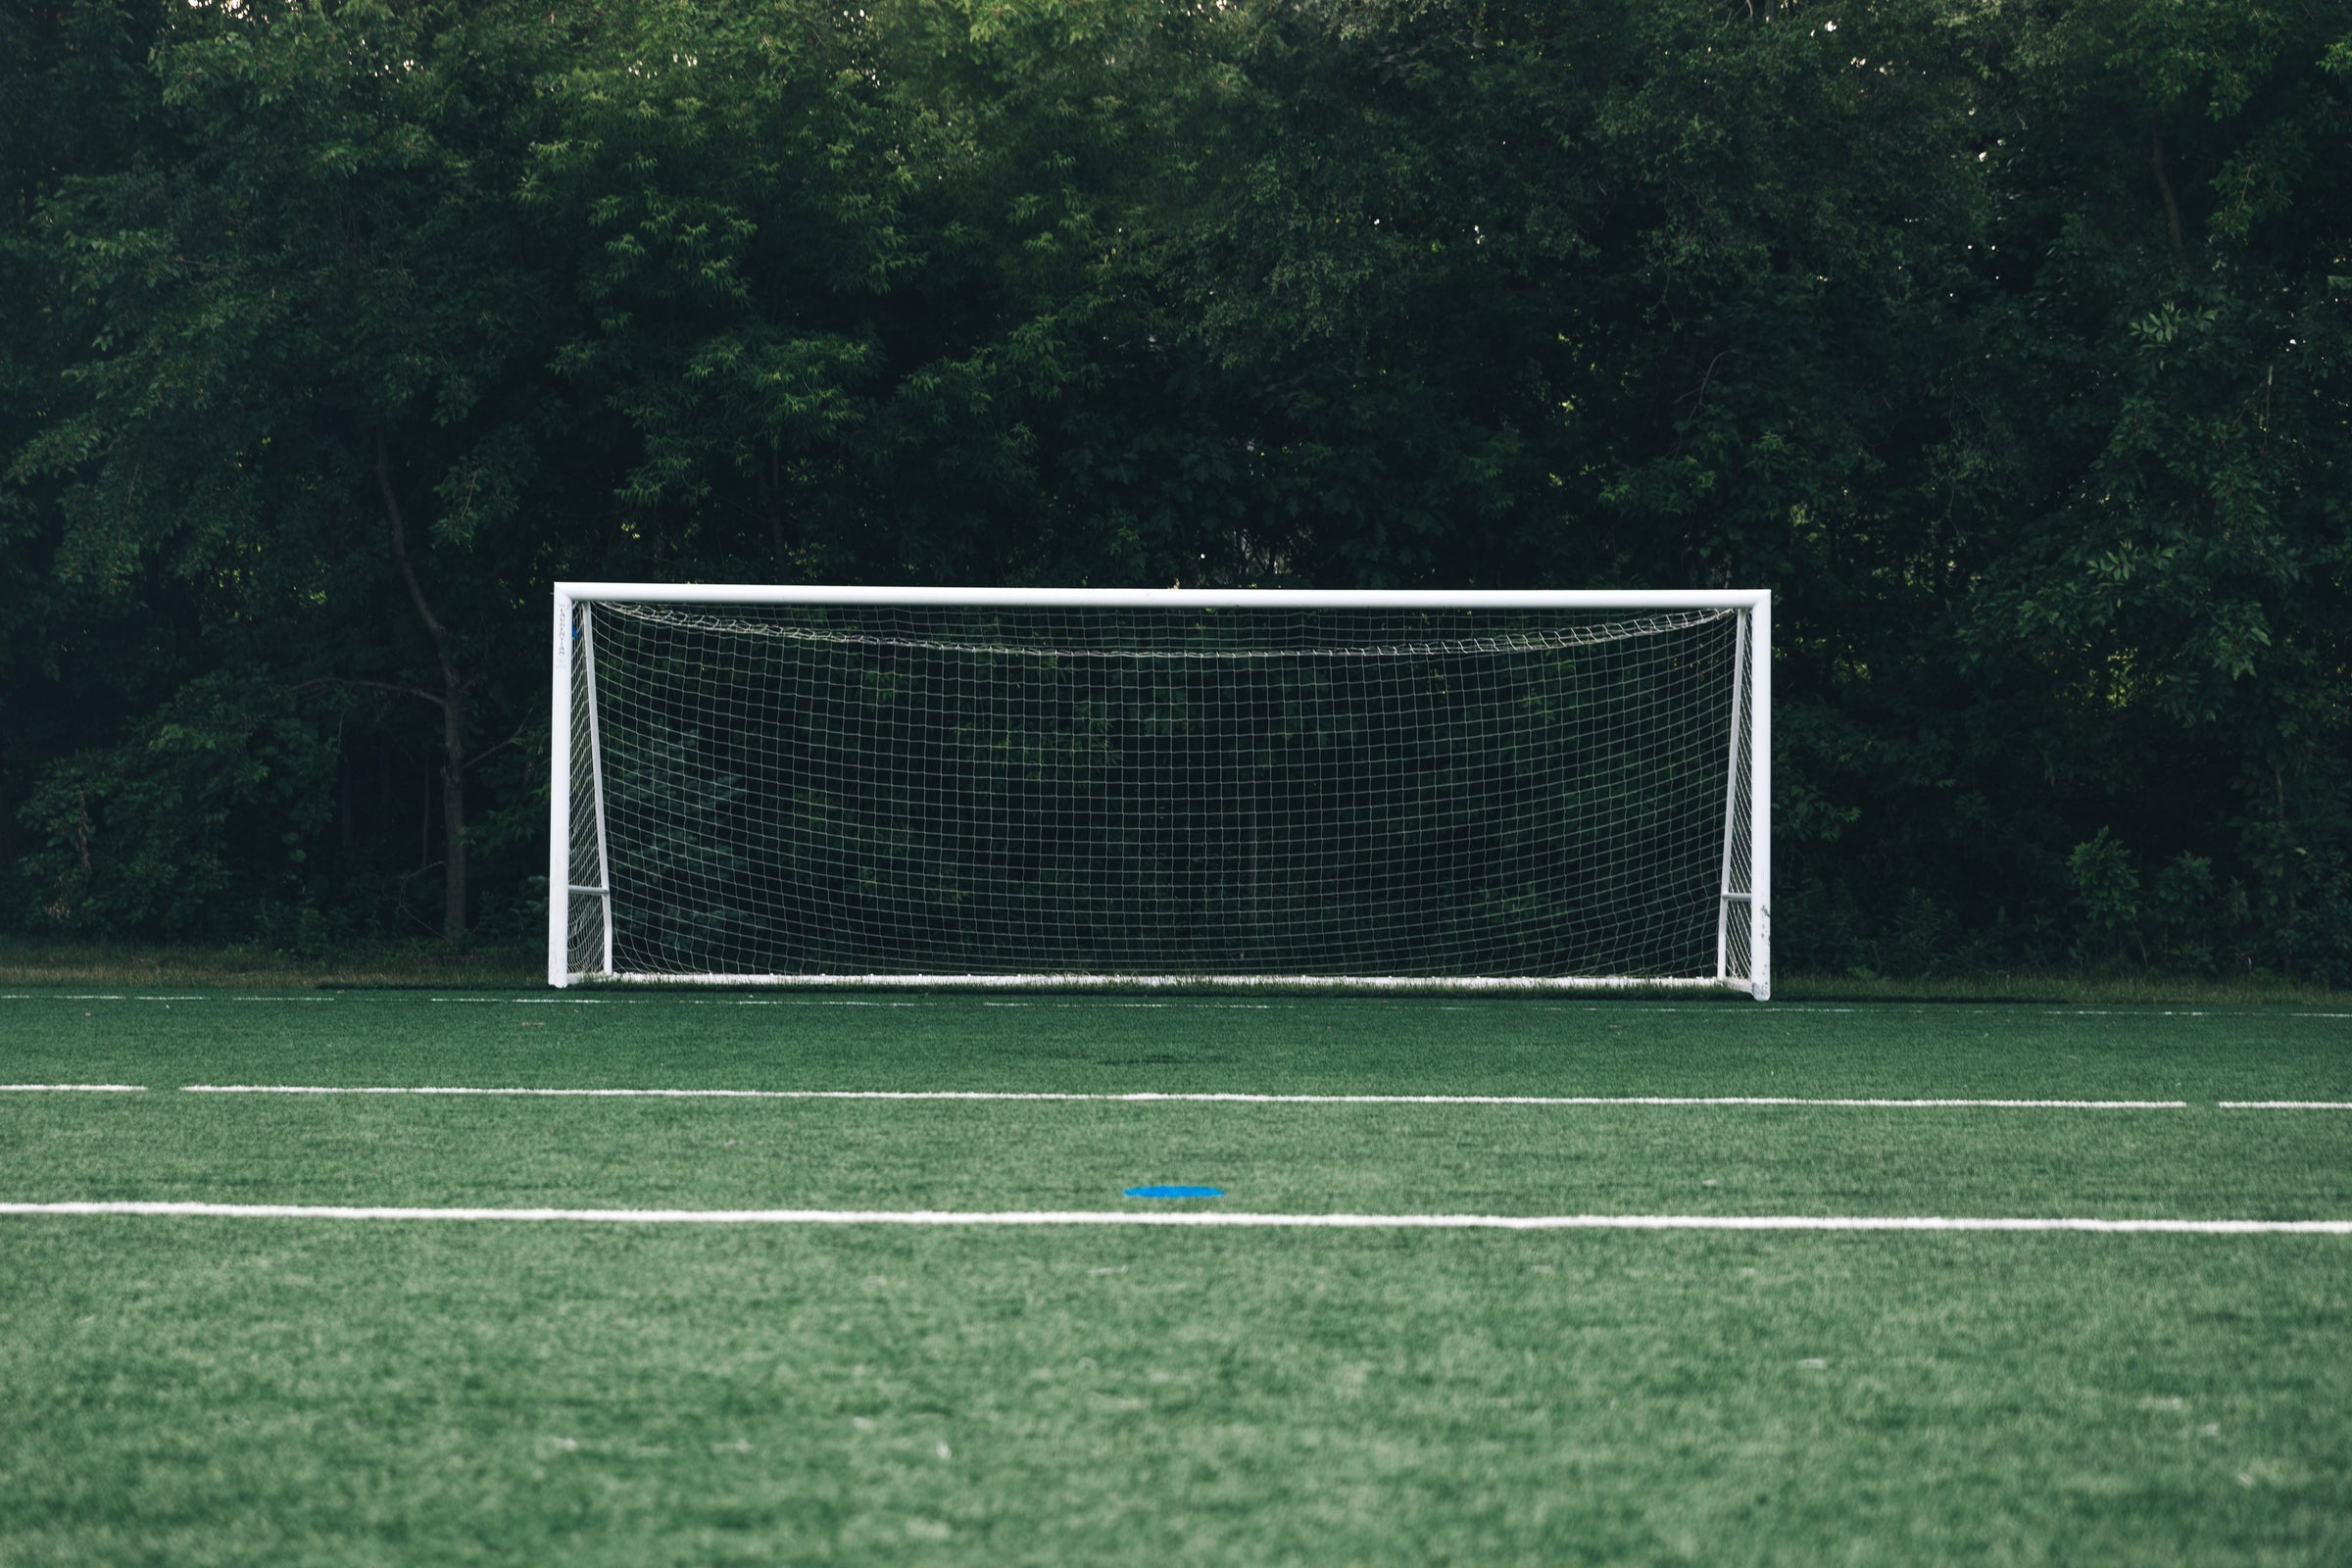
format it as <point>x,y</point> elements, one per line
<point>1406,599</point>
<point>674,705</point>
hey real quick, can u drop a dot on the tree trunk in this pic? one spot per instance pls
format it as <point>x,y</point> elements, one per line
<point>2164,186</point>
<point>773,495</point>
<point>453,813</point>
<point>452,702</point>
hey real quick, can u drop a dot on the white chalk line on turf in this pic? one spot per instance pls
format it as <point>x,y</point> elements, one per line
<point>72,1089</point>
<point>1204,1098</point>
<point>2284,1104</point>
<point>950,1000</point>
<point>1211,1218</point>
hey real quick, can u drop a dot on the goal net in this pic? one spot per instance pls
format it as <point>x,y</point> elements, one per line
<point>803,785</point>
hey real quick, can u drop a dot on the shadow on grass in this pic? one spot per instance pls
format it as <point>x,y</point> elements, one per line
<point>26,962</point>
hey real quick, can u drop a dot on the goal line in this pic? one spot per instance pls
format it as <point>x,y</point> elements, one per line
<point>1157,982</point>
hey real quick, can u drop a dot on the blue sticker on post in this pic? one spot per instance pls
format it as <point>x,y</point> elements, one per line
<point>1175,1192</point>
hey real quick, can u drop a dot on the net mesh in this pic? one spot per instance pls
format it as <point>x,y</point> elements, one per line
<point>820,790</point>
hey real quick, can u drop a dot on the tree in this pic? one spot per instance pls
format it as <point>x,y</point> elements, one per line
<point>2005,343</point>
<point>319,324</point>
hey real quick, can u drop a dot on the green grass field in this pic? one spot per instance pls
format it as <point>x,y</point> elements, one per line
<point>196,1390</point>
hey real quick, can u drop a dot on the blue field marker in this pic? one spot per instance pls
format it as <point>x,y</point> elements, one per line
<point>1175,1192</point>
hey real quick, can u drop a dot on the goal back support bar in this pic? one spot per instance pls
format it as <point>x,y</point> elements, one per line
<point>1742,926</point>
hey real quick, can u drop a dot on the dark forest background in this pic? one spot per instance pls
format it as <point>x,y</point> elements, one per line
<point>2009,343</point>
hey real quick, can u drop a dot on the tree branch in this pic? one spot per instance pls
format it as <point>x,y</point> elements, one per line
<point>489,750</point>
<point>321,681</point>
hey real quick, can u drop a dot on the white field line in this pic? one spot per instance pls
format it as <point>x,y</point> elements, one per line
<point>1204,1002</point>
<point>2285,1104</point>
<point>72,1089</point>
<point>1155,1098</point>
<point>76,995</point>
<point>1215,1220</point>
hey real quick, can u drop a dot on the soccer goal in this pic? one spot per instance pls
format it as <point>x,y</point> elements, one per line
<point>1400,790</point>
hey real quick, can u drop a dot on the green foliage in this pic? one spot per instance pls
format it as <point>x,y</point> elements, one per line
<point>2106,891</point>
<point>2008,345</point>
<point>2182,908</point>
<point>204,811</point>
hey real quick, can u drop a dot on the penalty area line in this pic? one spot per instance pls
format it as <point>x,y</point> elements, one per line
<point>1211,1220</point>
<point>1201,1097</point>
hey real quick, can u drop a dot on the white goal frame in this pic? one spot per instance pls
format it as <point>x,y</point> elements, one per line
<point>1750,905</point>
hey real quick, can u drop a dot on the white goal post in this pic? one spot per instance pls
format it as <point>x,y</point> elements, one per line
<point>1136,787</point>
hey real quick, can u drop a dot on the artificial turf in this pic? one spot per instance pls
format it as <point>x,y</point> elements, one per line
<point>199,1391</point>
